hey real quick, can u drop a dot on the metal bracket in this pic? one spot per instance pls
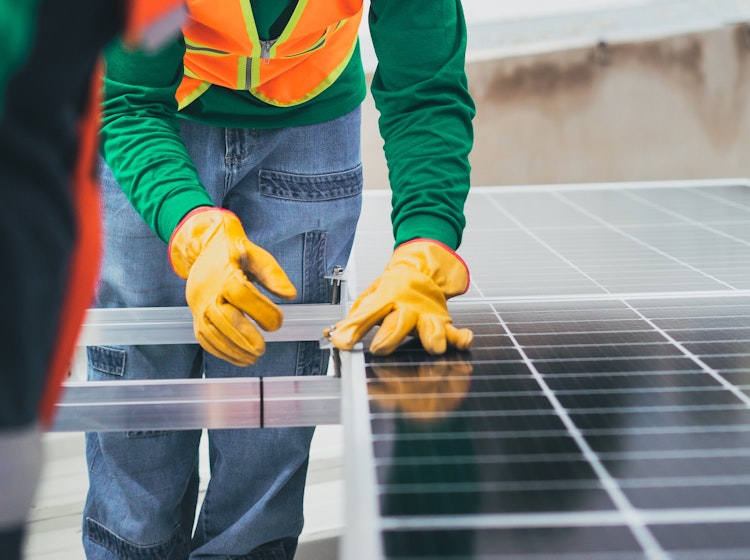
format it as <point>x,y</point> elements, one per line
<point>336,279</point>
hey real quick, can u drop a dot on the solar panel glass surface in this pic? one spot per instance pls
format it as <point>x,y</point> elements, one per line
<point>604,408</point>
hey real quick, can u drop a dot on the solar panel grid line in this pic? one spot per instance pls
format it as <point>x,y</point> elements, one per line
<point>718,398</point>
<point>692,221</point>
<point>470,414</point>
<point>711,371</point>
<point>633,238</point>
<point>634,522</point>
<point>448,435</point>
<point>671,389</point>
<point>568,519</point>
<point>693,430</point>
<point>655,444</point>
<point>711,196</point>
<point>525,486</point>
<point>640,391</point>
<point>558,455</point>
<point>620,258</point>
<point>547,246</point>
<point>676,454</point>
<point>691,482</point>
<point>655,295</point>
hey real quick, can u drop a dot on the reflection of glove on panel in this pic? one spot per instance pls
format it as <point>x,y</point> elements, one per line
<point>425,392</point>
<point>210,249</point>
<point>410,296</point>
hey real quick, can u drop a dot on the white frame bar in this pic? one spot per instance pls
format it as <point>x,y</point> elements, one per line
<point>362,538</point>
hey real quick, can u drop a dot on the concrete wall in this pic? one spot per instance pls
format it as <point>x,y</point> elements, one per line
<point>671,108</point>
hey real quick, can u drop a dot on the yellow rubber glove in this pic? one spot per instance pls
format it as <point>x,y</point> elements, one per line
<point>209,248</point>
<point>423,392</point>
<point>409,297</point>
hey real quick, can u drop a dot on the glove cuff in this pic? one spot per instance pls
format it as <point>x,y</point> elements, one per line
<point>438,261</point>
<point>192,234</point>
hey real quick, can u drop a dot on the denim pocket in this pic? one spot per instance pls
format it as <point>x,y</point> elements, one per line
<point>105,360</point>
<point>312,217</point>
<point>311,188</point>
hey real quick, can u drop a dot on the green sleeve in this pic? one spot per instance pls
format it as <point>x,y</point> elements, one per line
<point>421,91</point>
<point>17,30</point>
<point>140,135</point>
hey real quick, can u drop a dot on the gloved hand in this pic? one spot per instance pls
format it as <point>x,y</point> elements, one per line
<point>410,296</point>
<point>423,392</point>
<point>209,248</point>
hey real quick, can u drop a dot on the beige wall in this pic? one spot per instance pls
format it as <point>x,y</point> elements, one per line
<point>672,108</point>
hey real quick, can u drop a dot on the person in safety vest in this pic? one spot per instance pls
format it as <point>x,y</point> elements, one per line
<point>232,180</point>
<point>49,219</point>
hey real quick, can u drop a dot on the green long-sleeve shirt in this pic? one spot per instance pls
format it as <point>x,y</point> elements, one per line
<point>419,87</point>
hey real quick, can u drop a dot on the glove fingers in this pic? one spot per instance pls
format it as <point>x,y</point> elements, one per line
<point>209,347</point>
<point>357,323</point>
<point>262,268</point>
<point>431,331</point>
<point>246,297</point>
<point>229,332</point>
<point>461,339</point>
<point>396,326</point>
<point>437,335</point>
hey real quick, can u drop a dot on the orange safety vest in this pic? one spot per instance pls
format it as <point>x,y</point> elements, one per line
<point>222,48</point>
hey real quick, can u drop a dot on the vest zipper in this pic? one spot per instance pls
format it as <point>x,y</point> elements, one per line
<point>265,48</point>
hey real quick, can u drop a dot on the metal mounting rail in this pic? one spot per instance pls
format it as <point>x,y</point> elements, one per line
<point>183,404</point>
<point>187,404</point>
<point>174,325</point>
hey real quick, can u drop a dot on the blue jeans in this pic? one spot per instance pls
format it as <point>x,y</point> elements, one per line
<point>298,193</point>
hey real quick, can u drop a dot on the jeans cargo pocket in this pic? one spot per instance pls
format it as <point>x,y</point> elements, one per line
<point>105,362</point>
<point>312,217</point>
<point>311,188</point>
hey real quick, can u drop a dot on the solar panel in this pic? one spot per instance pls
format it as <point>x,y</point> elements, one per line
<point>604,408</point>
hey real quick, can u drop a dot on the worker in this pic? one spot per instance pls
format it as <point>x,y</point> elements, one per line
<point>232,182</point>
<point>49,51</point>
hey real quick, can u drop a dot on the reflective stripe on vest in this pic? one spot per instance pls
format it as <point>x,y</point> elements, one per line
<point>222,48</point>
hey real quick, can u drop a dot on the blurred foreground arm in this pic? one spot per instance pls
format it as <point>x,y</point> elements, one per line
<point>17,19</point>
